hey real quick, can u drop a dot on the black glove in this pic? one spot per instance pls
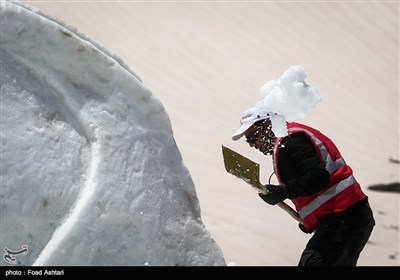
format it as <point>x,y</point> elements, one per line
<point>275,194</point>
<point>303,229</point>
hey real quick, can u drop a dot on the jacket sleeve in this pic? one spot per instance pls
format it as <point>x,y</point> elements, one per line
<point>300,168</point>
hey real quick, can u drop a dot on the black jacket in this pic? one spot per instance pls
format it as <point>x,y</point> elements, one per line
<point>299,166</point>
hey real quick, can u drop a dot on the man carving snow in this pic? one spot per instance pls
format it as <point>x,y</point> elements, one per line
<point>310,170</point>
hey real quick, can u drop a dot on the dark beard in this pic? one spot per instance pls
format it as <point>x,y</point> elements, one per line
<point>269,135</point>
<point>269,150</point>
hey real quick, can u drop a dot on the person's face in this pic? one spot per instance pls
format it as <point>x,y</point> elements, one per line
<point>260,136</point>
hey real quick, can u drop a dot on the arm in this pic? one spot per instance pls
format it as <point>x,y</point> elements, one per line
<point>300,168</point>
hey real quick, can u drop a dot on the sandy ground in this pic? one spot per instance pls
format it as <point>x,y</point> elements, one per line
<point>206,62</point>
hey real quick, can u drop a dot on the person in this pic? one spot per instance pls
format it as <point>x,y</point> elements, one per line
<point>312,173</point>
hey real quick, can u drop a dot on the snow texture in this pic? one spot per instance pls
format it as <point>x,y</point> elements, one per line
<point>289,97</point>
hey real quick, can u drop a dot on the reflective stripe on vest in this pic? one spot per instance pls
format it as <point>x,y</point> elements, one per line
<point>330,164</point>
<point>325,196</point>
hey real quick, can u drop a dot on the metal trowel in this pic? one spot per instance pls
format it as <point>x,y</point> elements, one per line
<point>249,171</point>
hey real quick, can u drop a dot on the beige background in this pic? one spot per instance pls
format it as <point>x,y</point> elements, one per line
<point>206,62</point>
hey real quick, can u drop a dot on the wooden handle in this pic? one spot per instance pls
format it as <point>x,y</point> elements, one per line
<point>261,188</point>
<point>290,211</point>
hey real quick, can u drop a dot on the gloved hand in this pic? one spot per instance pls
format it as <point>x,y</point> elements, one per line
<point>275,194</point>
<point>303,229</point>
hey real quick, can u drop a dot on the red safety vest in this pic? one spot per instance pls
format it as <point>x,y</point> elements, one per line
<point>343,190</point>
